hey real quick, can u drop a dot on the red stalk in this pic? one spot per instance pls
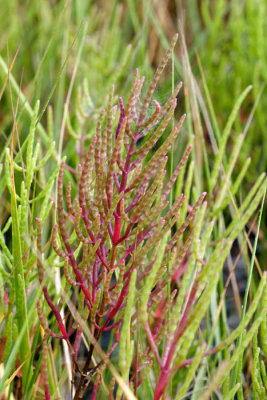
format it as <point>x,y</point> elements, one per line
<point>47,392</point>
<point>117,229</point>
<point>170,349</point>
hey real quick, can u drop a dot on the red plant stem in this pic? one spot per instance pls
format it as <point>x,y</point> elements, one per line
<point>117,229</point>
<point>113,257</point>
<point>137,366</point>
<point>80,280</point>
<point>104,251</point>
<point>123,294</point>
<point>158,325</point>
<point>130,250</point>
<point>140,237</point>
<point>137,370</point>
<point>77,343</point>
<point>188,306</point>
<point>117,225</point>
<point>56,312</point>
<point>74,264</point>
<point>170,350</point>
<point>181,325</point>
<point>95,390</point>
<point>113,347</point>
<point>153,344</point>
<point>100,278</point>
<point>47,392</point>
<point>116,180</point>
<point>95,277</point>
<point>90,233</point>
<point>110,231</point>
<point>122,114</point>
<point>125,235</point>
<point>161,384</point>
<point>188,362</point>
<point>126,170</point>
<point>108,328</point>
<point>206,353</point>
<point>54,309</point>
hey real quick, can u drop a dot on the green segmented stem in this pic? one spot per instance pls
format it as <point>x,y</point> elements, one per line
<point>157,134</point>
<point>224,137</point>
<point>155,79</point>
<point>150,281</point>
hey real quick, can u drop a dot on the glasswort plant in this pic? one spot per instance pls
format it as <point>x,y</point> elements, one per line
<point>116,222</point>
<point>121,243</point>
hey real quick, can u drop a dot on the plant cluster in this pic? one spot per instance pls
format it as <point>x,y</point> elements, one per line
<point>116,224</point>
<point>121,243</point>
